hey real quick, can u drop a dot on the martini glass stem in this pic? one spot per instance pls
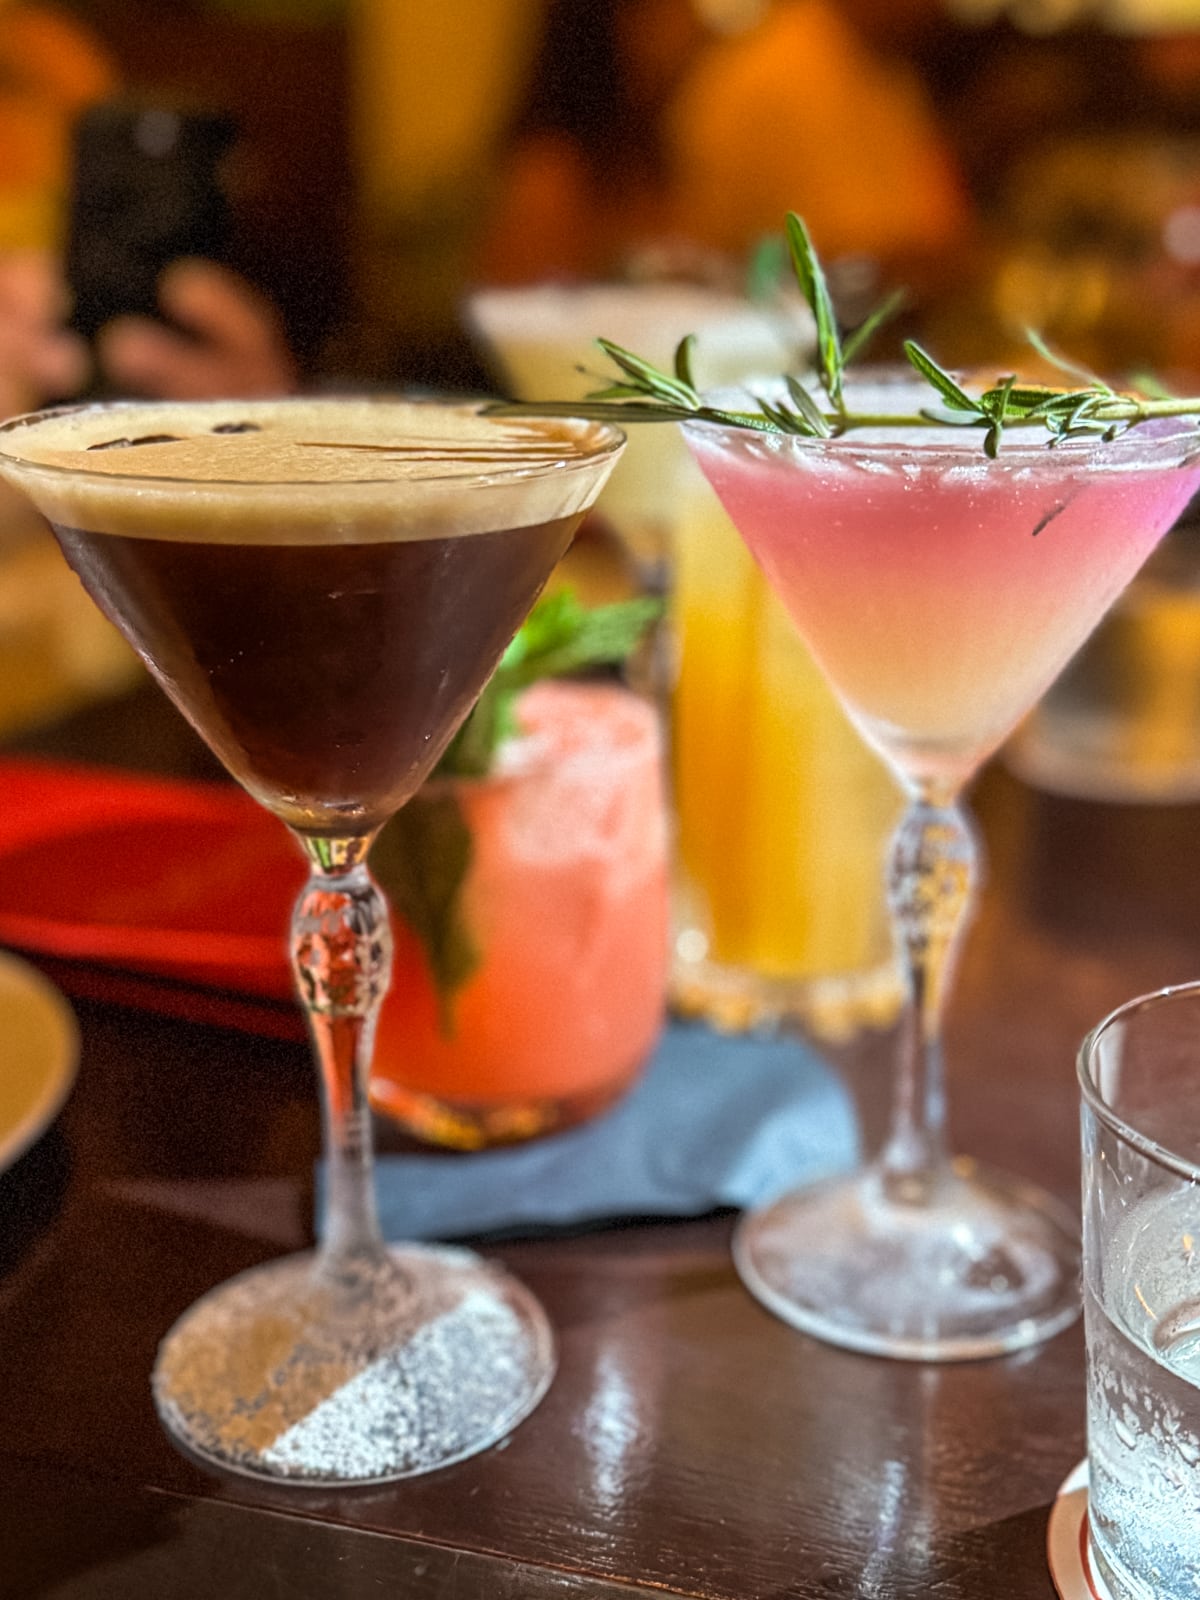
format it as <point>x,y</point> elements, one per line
<point>932,875</point>
<point>341,950</point>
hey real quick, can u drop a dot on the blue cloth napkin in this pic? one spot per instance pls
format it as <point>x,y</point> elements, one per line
<point>714,1122</point>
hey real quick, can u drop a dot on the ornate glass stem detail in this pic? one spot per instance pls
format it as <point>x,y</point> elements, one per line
<point>932,875</point>
<point>341,950</point>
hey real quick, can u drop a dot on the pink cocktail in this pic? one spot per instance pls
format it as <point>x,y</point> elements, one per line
<point>941,591</point>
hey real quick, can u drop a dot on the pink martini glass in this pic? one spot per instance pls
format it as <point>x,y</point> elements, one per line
<point>940,592</point>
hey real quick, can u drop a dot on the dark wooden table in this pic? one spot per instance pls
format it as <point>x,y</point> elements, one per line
<point>691,1444</point>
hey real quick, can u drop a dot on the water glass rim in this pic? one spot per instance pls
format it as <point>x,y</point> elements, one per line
<point>1094,1099</point>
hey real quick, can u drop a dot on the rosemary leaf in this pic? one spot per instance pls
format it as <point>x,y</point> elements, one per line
<point>808,407</point>
<point>753,420</point>
<point>648,377</point>
<point>1054,403</point>
<point>813,285</point>
<point>956,397</point>
<point>995,402</point>
<point>683,361</point>
<point>786,421</point>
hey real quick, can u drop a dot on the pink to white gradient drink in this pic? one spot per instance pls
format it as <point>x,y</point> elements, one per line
<point>942,592</point>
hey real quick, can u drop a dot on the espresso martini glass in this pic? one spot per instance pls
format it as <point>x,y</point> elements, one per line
<point>940,591</point>
<point>323,587</point>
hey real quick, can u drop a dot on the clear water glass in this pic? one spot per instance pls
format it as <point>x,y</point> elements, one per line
<point>1140,1076</point>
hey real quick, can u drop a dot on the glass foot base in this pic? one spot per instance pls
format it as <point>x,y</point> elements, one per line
<point>296,1371</point>
<point>987,1264</point>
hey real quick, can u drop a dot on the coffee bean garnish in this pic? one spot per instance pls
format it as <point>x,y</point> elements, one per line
<point>145,438</point>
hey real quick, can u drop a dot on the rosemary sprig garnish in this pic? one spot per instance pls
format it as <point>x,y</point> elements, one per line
<point>640,392</point>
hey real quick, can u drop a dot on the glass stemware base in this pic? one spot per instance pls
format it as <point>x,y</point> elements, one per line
<point>333,1373</point>
<point>981,1264</point>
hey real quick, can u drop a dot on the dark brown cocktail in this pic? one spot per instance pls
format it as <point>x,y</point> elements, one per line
<point>326,677</point>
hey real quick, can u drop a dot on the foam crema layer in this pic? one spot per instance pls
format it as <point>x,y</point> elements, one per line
<point>326,469</point>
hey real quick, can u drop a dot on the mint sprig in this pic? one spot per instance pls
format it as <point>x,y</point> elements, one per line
<point>560,637</point>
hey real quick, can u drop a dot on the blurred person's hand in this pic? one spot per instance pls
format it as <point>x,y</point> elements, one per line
<point>227,341</point>
<point>39,358</point>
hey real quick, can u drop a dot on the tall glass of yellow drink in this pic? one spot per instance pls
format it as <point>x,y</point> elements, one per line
<point>782,813</point>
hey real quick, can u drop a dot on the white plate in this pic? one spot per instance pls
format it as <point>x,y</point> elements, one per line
<point>1071,1567</point>
<point>39,1055</point>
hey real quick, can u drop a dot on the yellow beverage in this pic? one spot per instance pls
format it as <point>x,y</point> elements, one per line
<point>782,812</point>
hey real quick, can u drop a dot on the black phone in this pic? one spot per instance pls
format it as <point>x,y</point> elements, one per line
<point>147,187</point>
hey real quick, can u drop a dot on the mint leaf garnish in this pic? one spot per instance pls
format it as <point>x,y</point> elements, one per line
<point>422,858</point>
<point>560,637</point>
